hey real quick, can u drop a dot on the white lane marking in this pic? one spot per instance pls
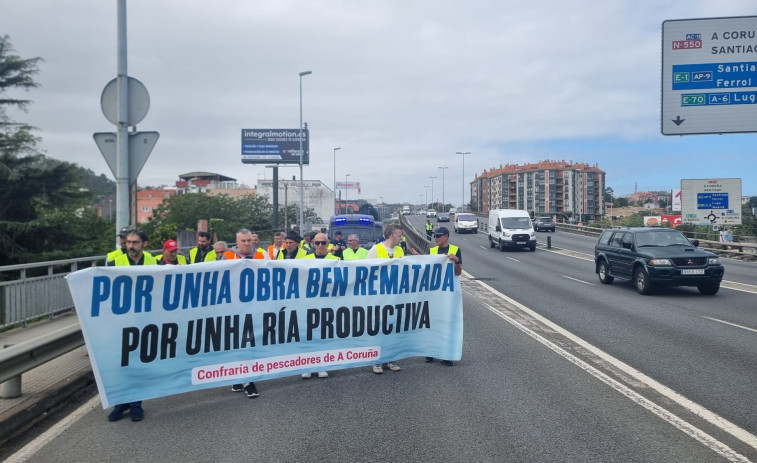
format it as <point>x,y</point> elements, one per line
<point>483,247</point>
<point>513,258</point>
<point>711,417</point>
<point>729,323</point>
<point>736,286</point>
<point>576,279</point>
<point>26,453</point>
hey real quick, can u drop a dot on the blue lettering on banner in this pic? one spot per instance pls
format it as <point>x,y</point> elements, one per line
<point>227,322</point>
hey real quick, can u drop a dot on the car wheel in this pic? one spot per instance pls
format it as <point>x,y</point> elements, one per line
<point>475,231</point>
<point>491,242</point>
<point>641,281</point>
<point>604,278</point>
<point>709,289</point>
<point>501,246</point>
<point>532,247</point>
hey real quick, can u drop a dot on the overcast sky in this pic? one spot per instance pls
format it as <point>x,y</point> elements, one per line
<point>398,85</point>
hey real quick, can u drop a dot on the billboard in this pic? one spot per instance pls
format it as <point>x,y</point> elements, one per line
<point>676,196</point>
<point>275,146</point>
<point>709,76</point>
<point>712,201</point>
<point>671,221</point>
<point>349,185</point>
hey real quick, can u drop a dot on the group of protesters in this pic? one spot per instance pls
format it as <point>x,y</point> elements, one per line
<point>315,245</point>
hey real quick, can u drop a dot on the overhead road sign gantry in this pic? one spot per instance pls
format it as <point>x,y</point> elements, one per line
<point>709,76</point>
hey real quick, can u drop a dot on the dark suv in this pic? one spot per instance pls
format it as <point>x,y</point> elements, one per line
<point>656,257</point>
<point>544,223</point>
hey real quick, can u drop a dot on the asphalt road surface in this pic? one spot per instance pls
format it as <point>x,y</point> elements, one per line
<point>555,367</point>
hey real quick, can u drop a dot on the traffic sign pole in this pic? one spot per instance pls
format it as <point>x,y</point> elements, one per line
<point>122,136</point>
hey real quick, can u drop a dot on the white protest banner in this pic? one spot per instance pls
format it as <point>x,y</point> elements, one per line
<point>153,331</point>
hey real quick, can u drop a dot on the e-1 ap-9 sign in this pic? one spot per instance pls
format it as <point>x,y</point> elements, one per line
<point>275,146</point>
<point>712,201</point>
<point>709,76</point>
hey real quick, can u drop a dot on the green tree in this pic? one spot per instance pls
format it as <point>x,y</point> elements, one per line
<point>368,209</point>
<point>45,213</point>
<point>224,214</point>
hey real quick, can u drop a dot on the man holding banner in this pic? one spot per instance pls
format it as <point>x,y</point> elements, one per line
<point>389,249</point>
<point>135,255</point>
<point>453,253</point>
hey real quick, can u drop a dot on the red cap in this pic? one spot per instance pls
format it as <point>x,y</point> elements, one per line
<point>170,245</point>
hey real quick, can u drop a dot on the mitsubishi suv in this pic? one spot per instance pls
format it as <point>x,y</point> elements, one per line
<point>652,257</point>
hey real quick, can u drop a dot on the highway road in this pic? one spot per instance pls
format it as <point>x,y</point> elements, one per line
<point>556,367</point>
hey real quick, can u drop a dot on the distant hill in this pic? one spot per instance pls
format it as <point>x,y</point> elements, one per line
<point>100,185</point>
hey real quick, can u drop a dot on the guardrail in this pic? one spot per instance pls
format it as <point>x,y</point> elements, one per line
<point>31,291</point>
<point>20,358</point>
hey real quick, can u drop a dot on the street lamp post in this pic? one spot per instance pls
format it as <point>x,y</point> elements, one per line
<point>432,189</point>
<point>337,210</point>
<point>463,153</point>
<point>426,187</point>
<point>346,188</point>
<point>381,211</point>
<point>302,182</point>
<point>444,203</point>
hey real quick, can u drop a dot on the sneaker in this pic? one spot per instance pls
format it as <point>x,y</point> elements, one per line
<point>447,363</point>
<point>429,359</point>
<point>393,366</point>
<point>306,375</point>
<point>251,391</point>
<point>323,374</point>
<point>237,387</point>
<point>117,412</point>
<point>378,369</point>
<point>136,412</point>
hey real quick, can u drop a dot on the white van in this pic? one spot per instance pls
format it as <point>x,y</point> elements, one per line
<point>511,228</point>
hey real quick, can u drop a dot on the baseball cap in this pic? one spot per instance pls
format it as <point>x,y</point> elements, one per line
<point>441,231</point>
<point>170,245</point>
<point>124,231</point>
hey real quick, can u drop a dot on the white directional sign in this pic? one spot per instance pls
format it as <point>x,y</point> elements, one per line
<point>712,201</point>
<point>140,147</point>
<point>709,76</point>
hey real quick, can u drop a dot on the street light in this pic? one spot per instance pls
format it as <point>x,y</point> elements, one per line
<point>381,211</point>
<point>432,188</point>
<point>426,187</point>
<point>337,210</point>
<point>444,203</point>
<point>302,182</point>
<point>463,153</point>
<point>346,189</point>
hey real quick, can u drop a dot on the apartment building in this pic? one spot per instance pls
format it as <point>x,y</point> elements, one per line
<point>542,188</point>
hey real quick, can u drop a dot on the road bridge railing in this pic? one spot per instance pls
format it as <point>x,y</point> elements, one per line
<point>20,358</point>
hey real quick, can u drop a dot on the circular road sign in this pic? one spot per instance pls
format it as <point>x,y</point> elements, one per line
<point>139,102</point>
